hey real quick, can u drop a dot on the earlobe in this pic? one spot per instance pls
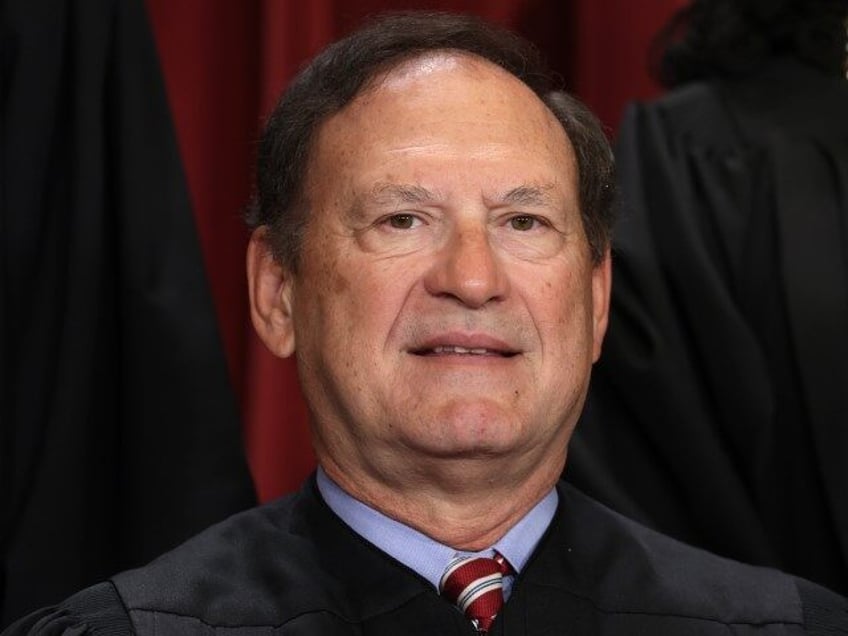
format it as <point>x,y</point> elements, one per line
<point>601,288</point>
<point>270,290</point>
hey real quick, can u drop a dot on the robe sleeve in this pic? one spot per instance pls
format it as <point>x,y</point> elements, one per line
<point>95,610</point>
<point>825,613</point>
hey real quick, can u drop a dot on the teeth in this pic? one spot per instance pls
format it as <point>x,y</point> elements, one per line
<point>453,349</point>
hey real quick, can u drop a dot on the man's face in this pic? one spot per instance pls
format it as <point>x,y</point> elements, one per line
<point>445,304</point>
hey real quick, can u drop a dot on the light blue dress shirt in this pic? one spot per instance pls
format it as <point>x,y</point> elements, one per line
<point>422,554</point>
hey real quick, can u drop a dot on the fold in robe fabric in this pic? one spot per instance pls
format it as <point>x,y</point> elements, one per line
<point>119,435</point>
<point>719,410</point>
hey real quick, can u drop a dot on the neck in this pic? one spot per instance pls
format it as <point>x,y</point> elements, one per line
<point>468,504</point>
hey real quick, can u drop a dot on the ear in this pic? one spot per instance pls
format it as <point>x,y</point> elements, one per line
<point>601,286</point>
<point>269,286</point>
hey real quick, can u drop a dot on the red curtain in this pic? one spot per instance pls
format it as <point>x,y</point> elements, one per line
<point>226,62</point>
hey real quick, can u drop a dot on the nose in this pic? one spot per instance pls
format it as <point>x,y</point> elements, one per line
<point>467,269</point>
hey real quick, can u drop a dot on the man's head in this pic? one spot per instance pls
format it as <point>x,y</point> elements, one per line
<point>442,298</point>
<point>346,68</point>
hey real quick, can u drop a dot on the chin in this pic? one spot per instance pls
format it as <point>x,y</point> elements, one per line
<point>469,431</point>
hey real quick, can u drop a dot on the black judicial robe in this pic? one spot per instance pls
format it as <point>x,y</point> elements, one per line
<point>119,431</point>
<point>718,413</point>
<point>293,568</point>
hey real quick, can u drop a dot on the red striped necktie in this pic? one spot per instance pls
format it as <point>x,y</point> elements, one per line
<point>475,586</point>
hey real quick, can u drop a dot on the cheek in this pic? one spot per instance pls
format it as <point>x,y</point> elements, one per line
<point>321,287</point>
<point>560,303</point>
<point>555,294</point>
<point>323,267</point>
<point>354,301</point>
<point>337,281</point>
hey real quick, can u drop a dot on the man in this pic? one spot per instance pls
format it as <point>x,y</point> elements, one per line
<point>431,243</point>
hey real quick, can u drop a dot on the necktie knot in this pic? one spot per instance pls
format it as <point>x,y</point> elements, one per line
<point>475,586</point>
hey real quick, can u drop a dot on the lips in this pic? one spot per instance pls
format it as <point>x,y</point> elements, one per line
<point>462,350</point>
<point>467,346</point>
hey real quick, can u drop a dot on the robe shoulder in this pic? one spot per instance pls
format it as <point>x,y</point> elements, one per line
<point>97,610</point>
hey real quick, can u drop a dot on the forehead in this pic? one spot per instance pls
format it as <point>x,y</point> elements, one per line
<point>448,102</point>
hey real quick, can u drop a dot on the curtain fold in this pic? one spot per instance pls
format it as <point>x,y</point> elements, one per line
<point>119,434</point>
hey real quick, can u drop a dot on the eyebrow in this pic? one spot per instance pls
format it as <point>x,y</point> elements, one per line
<point>401,193</point>
<point>530,195</point>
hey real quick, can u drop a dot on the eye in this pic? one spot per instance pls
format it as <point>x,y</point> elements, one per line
<point>402,221</point>
<point>524,222</point>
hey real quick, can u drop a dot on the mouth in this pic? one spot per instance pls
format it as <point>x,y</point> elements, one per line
<point>456,350</point>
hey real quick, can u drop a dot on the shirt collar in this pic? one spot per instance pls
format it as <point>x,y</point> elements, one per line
<point>419,552</point>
